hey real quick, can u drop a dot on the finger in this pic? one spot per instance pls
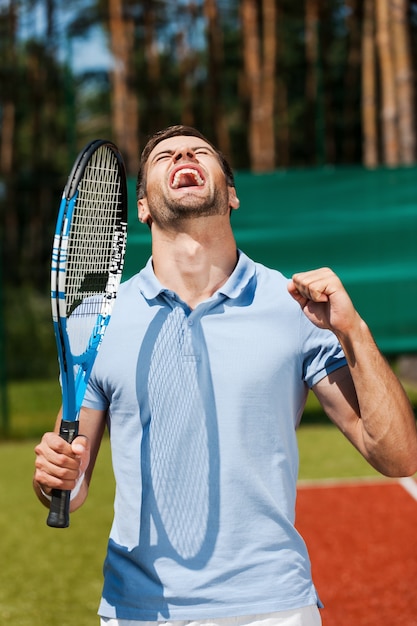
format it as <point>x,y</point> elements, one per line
<point>52,477</point>
<point>55,450</point>
<point>56,465</point>
<point>315,285</point>
<point>81,447</point>
<point>53,441</point>
<point>294,292</point>
<point>315,291</point>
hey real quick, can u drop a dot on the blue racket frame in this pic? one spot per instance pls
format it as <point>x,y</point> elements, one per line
<point>75,371</point>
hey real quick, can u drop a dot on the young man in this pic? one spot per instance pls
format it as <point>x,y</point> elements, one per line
<point>202,379</point>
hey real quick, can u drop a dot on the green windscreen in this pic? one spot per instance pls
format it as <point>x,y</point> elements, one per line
<point>361,223</point>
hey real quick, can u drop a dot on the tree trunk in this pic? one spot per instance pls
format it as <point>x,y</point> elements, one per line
<point>50,23</point>
<point>152,91</point>
<point>403,71</point>
<point>269,39</point>
<point>185,67</point>
<point>125,106</point>
<point>7,127</point>
<point>260,75</point>
<point>7,138</point>
<point>283,125</point>
<point>388,88</point>
<point>351,81</point>
<point>151,47</point>
<point>252,76</point>
<point>216,58</point>
<point>281,94</point>
<point>311,80</point>
<point>9,219</point>
<point>369,98</point>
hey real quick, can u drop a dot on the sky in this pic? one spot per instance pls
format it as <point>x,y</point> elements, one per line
<point>86,53</point>
<point>90,53</point>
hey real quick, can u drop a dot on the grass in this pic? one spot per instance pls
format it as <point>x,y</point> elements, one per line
<point>50,576</point>
<point>33,406</point>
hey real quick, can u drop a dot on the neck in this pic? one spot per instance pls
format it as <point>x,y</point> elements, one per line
<point>194,263</point>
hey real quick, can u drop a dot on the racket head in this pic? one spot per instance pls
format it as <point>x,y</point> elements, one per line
<point>87,263</point>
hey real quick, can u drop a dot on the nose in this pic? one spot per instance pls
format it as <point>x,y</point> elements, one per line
<point>184,152</point>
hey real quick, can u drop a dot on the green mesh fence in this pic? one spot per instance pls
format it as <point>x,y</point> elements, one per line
<point>362,224</point>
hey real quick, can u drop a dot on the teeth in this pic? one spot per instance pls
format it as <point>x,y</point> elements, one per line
<point>187,170</point>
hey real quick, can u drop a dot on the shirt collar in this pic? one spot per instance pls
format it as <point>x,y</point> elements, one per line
<point>150,286</point>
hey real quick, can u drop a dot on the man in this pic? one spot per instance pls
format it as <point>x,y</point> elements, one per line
<point>202,379</point>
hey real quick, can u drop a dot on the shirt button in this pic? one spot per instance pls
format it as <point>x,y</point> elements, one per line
<point>190,322</point>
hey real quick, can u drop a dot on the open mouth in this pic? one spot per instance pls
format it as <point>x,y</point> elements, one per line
<point>187,177</point>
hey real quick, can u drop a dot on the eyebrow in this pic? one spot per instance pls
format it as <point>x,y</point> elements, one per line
<point>171,152</point>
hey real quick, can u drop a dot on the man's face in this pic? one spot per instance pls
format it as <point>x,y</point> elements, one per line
<point>184,180</point>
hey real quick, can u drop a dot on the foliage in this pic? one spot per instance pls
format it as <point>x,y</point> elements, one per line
<point>30,344</point>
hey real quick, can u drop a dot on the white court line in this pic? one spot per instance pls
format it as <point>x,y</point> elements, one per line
<point>344,482</point>
<point>409,485</point>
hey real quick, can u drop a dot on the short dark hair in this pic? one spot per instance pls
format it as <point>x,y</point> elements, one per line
<point>175,131</point>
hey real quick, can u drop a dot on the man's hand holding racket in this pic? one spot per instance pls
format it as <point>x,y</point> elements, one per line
<point>61,465</point>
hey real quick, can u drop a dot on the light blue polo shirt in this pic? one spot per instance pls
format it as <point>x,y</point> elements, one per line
<point>203,405</point>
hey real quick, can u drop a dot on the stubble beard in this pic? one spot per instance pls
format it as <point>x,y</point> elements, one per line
<point>167,211</point>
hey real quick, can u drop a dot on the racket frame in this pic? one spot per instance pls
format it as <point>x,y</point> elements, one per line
<point>73,384</point>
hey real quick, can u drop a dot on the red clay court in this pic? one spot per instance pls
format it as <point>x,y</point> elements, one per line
<point>362,539</point>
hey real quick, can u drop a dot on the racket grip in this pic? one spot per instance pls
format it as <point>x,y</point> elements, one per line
<point>59,508</point>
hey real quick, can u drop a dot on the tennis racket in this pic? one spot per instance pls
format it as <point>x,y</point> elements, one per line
<point>87,263</point>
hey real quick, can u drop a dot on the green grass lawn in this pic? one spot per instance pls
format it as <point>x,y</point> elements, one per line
<point>33,406</point>
<point>51,577</point>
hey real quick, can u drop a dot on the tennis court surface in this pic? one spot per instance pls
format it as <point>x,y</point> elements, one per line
<point>362,539</point>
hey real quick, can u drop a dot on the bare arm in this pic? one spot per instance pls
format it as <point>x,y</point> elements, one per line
<point>365,400</point>
<point>59,465</point>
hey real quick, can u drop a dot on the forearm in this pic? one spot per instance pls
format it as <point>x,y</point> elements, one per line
<point>369,406</point>
<point>387,425</point>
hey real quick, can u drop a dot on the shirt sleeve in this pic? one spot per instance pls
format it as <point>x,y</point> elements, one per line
<point>95,397</point>
<point>321,352</point>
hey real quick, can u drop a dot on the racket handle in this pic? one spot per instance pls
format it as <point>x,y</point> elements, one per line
<point>59,508</point>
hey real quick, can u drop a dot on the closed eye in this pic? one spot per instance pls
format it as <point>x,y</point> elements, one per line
<point>162,156</point>
<point>204,151</point>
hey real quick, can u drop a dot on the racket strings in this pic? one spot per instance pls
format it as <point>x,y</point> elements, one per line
<point>91,243</point>
<point>91,236</point>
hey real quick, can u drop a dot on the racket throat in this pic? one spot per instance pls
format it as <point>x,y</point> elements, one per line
<point>69,430</point>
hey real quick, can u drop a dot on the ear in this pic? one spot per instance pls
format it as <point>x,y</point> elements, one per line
<point>234,201</point>
<point>143,211</point>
